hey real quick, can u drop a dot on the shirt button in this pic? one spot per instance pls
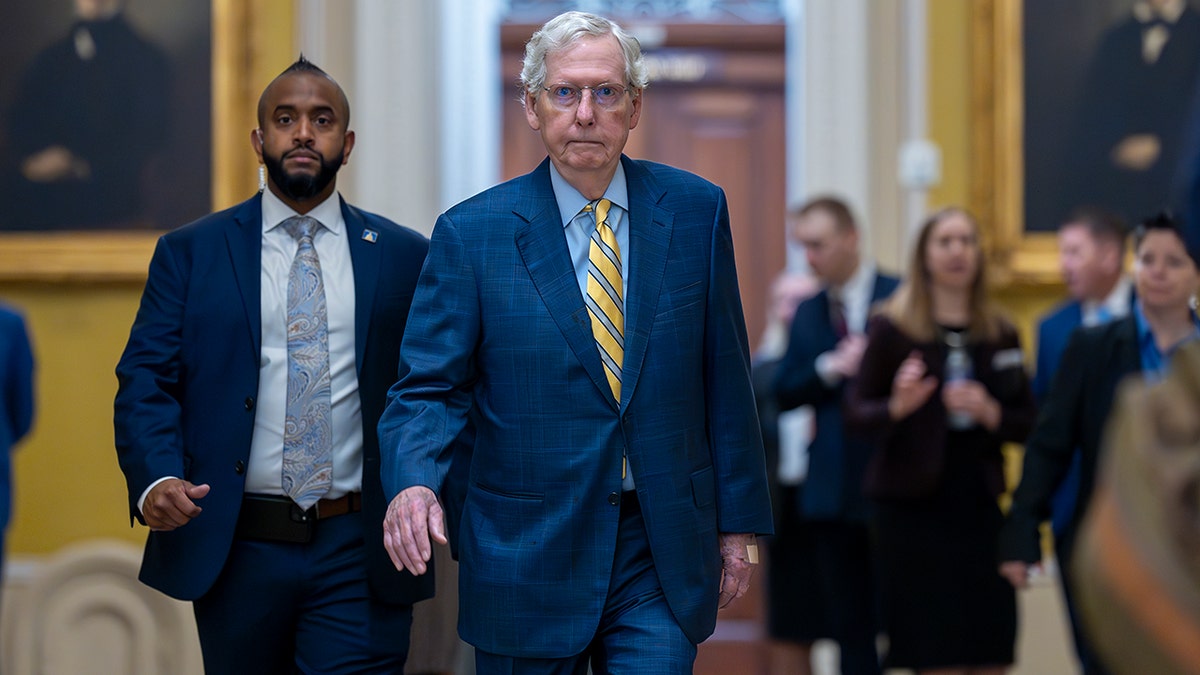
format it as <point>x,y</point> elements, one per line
<point>614,499</point>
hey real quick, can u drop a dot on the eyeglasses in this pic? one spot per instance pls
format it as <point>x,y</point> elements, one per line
<point>566,96</point>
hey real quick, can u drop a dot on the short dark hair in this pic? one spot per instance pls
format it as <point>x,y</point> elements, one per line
<point>303,66</point>
<point>1102,224</point>
<point>834,206</point>
<point>1164,221</point>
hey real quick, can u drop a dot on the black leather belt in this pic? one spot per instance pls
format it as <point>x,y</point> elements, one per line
<point>277,518</point>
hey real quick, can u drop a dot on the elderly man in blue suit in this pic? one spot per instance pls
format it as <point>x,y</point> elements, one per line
<point>249,395</point>
<point>585,317</point>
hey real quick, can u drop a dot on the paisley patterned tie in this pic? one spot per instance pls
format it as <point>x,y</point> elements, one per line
<point>307,431</point>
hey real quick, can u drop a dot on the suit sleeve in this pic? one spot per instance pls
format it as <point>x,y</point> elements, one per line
<point>1048,454</point>
<point>428,407</point>
<point>743,500</point>
<point>797,382</point>
<point>19,388</point>
<point>147,409</point>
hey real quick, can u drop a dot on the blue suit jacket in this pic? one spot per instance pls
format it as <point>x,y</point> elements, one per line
<point>188,380</point>
<point>499,323</point>
<point>836,460</point>
<point>16,401</point>
<point>1053,333</point>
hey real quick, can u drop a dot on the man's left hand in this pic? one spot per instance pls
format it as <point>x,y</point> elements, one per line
<point>738,564</point>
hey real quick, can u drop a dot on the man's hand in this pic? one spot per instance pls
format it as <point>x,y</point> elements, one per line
<point>171,504</point>
<point>847,356</point>
<point>412,517</point>
<point>54,164</point>
<point>737,567</point>
<point>1017,573</point>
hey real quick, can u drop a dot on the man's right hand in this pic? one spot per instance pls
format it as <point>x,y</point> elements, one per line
<point>1017,573</point>
<point>412,518</point>
<point>171,504</point>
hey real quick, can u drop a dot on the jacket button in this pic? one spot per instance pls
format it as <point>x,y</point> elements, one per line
<point>614,499</point>
<point>249,402</point>
<point>240,467</point>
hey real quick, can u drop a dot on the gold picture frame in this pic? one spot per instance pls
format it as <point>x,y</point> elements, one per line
<point>251,43</point>
<point>997,170</point>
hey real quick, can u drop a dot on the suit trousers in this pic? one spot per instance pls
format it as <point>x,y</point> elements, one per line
<point>637,632</point>
<point>290,607</point>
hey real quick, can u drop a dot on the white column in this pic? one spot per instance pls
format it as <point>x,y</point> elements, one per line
<point>470,98</point>
<point>386,56</point>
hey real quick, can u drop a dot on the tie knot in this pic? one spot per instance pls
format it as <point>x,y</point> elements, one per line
<point>301,227</point>
<point>601,208</point>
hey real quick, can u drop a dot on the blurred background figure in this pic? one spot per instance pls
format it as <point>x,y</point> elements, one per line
<point>822,539</point>
<point>941,387</point>
<point>1137,558</point>
<point>89,113</point>
<point>16,403</point>
<point>1076,408</point>
<point>786,436</point>
<point>1091,255</point>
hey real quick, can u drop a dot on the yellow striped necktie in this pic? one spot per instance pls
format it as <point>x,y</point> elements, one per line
<point>604,296</point>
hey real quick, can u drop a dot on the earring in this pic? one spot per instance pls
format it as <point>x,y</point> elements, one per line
<point>262,178</point>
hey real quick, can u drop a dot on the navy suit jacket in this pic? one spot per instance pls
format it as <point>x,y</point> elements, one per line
<point>188,380</point>
<point>1073,415</point>
<point>836,461</point>
<point>499,323</point>
<point>16,401</point>
<point>1053,332</point>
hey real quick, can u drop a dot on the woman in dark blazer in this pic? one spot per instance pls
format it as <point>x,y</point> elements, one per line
<point>937,469</point>
<point>1076,409</point>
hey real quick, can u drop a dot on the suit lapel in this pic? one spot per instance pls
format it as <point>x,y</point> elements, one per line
<point>650,229</point>
<point>543,248</point>
<point>364,257</point>
<point>243,235</point>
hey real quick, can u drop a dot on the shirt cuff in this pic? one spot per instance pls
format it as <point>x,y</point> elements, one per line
<point>142,499</point>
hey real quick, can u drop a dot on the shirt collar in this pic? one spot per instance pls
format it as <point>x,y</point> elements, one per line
<point>1145,337</point>
<point>329,212</point>
<point>859,283</point>
<point>1144,13</point>
<point>571,201</point>
<point>1117,301</point>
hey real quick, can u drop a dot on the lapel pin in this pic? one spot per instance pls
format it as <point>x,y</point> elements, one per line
<point>370,236</point>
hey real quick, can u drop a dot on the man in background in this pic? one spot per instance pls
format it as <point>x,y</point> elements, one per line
<point>249,392</point>
<point>16,404</point>
<point>823,540</point>
<point>1091,246</point>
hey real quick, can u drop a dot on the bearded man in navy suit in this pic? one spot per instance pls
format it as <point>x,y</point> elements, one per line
<point>585,319</point>
<point>204,411</point>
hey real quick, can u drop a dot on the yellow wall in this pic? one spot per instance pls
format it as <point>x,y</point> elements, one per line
<point>67,484</point>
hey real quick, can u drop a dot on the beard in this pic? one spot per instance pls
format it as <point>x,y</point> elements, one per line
<point>302,186</point>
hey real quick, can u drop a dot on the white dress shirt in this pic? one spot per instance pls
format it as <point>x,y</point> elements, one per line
<point>1115,306</point>
<point>265,471</point>
<point>856,296</point>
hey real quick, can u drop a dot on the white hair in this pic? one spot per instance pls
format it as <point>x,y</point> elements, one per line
<point>567,28</point>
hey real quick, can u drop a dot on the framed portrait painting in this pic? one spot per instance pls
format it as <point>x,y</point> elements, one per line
<point>119,118</point>
<point>1077,103</point>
